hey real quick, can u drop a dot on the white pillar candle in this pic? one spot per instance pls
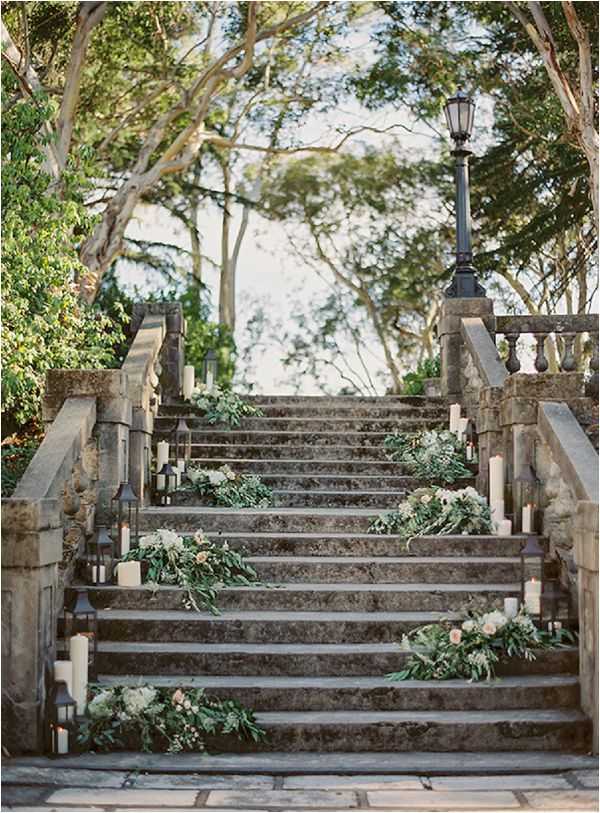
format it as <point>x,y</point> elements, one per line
<point>129,574</point>
<point>454,417</point>
<point>496,469</point>
<point>497,511</point>
<point>189,375</point>
<point>177,471</point>
<point>160,482</point>
<point>504,527</point>
<point>61,743</point>
<point>181,465</point>
<point>462,428</point>
<point>209,380</point>
<point>469,452</point>
<point>533,596</point>
<point>125,538</point>
<point>162,454</point>
<point>63,670</point>
<point>511,607</point>
<point>101,578</point>
<point>79,650</point>
<point>527,518</point>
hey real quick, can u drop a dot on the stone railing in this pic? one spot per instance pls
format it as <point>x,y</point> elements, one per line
<point>99,427</point>
<point>566,330</point>
<point>531,419</point>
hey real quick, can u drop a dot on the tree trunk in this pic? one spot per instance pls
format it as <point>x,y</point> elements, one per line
<point>227,281</point>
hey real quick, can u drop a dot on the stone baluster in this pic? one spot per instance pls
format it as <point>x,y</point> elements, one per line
<point>541,362</point>
<point>593,382</point>
<point>513,365</point>
<point>567,362</point>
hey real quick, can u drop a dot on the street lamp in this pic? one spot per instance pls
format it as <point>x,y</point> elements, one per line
<point>460,112</point>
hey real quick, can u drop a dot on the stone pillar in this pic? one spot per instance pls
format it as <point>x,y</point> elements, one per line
<point>452,350</point>
<point>489,433</point>
<point>586,558</point>
<point>113,422</point>
<point>172,353</point>
<point>140,452</point>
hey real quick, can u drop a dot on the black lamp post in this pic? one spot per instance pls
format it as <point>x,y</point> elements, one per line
<point>460,112</point>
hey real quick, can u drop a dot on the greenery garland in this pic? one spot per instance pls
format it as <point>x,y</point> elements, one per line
<point>430,454</point>
<point>193,563</point>
<point>436,511</point>
<point>222,405</point>
<point>149,718</point>
<point>227,488</point>
<point>443,651</point>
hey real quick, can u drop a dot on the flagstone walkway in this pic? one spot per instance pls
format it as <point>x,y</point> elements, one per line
<point>34,788</point>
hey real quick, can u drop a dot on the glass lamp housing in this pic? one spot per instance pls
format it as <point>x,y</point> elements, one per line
<point>125,518</point>
<point>460,114</point>
<point>81,618</point>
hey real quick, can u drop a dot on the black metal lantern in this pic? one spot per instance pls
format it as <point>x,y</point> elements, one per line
<point>532,575</point>
<point>210,369</point>
<point>165,485</point>
<point>81,618</point>
<point>183,442</point>
<point>100,557</point>
<point>527,498</point>
<point>460,114</point>
<point>61,719</point>
<point>556,606</point>
<point>125,517</point>
<point>471,441</point>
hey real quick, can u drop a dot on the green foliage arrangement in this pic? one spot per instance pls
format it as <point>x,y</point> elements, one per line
<point>45,324</point>
<point>150,718</point>
<point>16,456</point>
<point>413,383</point>
<point>222,405</point>
<point>230,489</point>
<point>443,651</point>
<point>194,563</point>
<point>431,454</point>
<point>436,511</point>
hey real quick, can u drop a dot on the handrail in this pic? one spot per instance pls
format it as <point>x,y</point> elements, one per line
<point>541,323</point>
<point>141,359</point>
<point>483,352</point>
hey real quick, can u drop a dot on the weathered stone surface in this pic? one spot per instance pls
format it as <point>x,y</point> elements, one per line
<point>504,782</point>
<point>483,352</point>
<point>148,799</point>
<point>562,800</point>
<point>589,779</point>
<point>442,800</point>
<point>283,800</point>
<point>24,797</point>
<point>75,777</point>
<point>352,782</point>
<point>191,781</point>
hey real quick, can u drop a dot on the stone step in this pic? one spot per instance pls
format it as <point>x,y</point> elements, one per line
<point>291,659</point>
<point>262,437</point>
<point>429,763</point>
<point>373,693</point>
<point>317,544</point>
<point>498,730</point>
<point>256,626</point>
<point>350,482</point>
<point>338,499</point>
<point>401,421</point>
<point>372,570</point>
<point>334,597</point>
<point>328,468</point>
<point>348,412</point>
<point>258,519</point>
<point>230,451</point>
<point>338,401</point>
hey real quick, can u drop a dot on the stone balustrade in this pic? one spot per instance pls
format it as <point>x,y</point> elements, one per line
<point>99,427</point>
<point>531,419</point>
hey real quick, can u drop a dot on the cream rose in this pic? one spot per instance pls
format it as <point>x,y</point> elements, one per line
<point>455,636</point>
<point>489,629</point>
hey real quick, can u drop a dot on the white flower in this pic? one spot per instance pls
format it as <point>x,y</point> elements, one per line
<point>216,477</point>
<point>195,709</point>
<point>426,498</point>
<point>101,705</point>
<point>405,509</point>
<point>405,644</point>
<point>496,618</point>
<point>524,621</point>
<point>468,625</point>
<point>488,629</point>
<point>137,700</point>
<point>187,704</point>
<point>478,659</point>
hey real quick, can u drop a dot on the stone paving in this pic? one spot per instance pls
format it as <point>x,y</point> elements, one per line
<point>32,788</point>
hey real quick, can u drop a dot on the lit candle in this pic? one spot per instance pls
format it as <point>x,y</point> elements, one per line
<point>496,468</point>
<point>462,428</point>
<point>189,375</point>
<point>129,574</point>
<point>63,670</point>
<point>504,527</point>
<point>98,578</point>
<point>533,596</point>
<point>177,471</point>
<point>79,651</point>
<point>209,380</point>
<point>125,538</point>
<point>511,607</point>
<point>61,742</point>
<point>469,452</point>
<point>454,417</point>
<point>527,518</point>
<point>162,454</point>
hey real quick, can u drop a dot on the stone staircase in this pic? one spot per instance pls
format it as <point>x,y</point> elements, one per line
<point>309,650</point>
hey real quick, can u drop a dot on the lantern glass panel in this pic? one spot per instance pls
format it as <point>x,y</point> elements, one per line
<point>460,115</point>
<point>125,518</point>
<point>61,719</point>
<point>532,564</point>
<point>100,557</point>
<point>81,618</point>
<point>165,485</point>
<point>183,441</point>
